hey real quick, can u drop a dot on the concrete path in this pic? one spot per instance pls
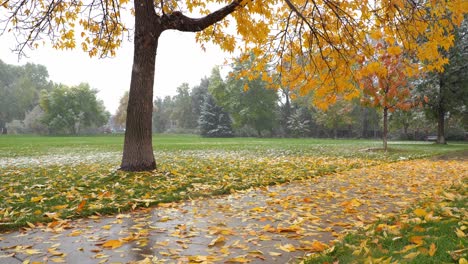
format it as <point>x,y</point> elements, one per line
<point>278,224</point>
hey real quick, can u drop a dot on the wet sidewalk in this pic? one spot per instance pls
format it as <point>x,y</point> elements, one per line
<point>277,224</point>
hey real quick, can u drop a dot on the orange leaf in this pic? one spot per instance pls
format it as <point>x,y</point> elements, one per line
<point>112,244</point>
<point>418,240</point>
<point>432,249</point>
<point>80,206</point>
<point>318,246</point>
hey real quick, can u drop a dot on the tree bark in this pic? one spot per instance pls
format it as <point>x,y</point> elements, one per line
<point>138,147</point>
<point>385,128</point>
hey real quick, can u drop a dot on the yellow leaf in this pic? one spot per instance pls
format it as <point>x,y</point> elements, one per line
<point>460,233</point>
<point>462,261</point>
<point>36,199</point>
<point>237,260</point>
<point>32,251</point>
<point>58,260</point>
<point>411,255</point>
<point>407,248</point>
<point>418,240</point>
<point>75,233</point>
<point>112,244</point>
<point>60,207</point>
<point>432,249</point>
<point>216,241</point>
<point>420,212</point>
<point>30,225</point>
<point>106,227</point>
<point>275,254</point>
<point>287,248</point>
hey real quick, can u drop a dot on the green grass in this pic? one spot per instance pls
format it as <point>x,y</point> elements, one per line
<point>43,175</point>
<point>30,146</point>
<point>433,231</point>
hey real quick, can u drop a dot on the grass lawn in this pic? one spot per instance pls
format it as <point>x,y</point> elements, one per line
<point>42,178</point>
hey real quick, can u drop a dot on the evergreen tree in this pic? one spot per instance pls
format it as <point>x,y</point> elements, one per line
<point>214,121</point>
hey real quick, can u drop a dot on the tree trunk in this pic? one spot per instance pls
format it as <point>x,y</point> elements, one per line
<point>405,130</point>
<point>441,126</point>
<point>335,129</point>
<point>385,128</point>
<point>138,148</point>
<point>441,113</point>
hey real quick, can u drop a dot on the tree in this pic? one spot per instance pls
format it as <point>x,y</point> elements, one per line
<point>121,113</point>
<point>336,116</point>
<point>214,121</point>
<point>20,87</point>
<point>384,81</point>
<point>198,95</point>
<point>162,114</point>
<point>248,101</point>
<point>299,123</point>
<point>447,91</point>
<point>183,109</point>
<point>70,109</point>
<point>330,34</point>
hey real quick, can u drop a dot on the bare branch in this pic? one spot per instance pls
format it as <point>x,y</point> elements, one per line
<point>179,21</point>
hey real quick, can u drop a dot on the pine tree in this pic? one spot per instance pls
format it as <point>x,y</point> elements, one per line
<point>214,121</point>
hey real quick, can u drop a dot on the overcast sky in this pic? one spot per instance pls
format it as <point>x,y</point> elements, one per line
<point>180,59</point>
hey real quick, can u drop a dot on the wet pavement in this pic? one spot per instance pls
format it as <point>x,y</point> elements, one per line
<point>278,224</point>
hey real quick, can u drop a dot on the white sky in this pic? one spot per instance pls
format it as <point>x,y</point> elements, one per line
<point>180,59</point>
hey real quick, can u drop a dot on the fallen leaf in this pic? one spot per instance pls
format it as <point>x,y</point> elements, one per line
<point>318,246</point>
<point>411,255</point>
<point>237,260</point>
<point>81,206</point>
<point>58,260</point>
<point>36,199</point>
<point>432,249</point>
<point>216,241</point>
<point>420,212</point>
<point>75,233</point>
<point>418,240</point>
<point>460,233</point>
<point>112,244</point>
<point>287,248</point>
<point>275,254</point>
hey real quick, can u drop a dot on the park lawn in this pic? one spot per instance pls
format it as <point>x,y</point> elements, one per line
<point>434,231</point>
<point>45,178</point>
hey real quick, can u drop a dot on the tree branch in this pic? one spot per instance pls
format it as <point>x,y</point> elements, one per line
<point>179,21</point>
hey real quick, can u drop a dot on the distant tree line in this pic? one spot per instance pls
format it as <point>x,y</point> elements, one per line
<point>246,107</point>
<point>32,104</point>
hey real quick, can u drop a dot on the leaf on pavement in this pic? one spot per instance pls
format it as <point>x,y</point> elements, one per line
<point>112,244</point>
